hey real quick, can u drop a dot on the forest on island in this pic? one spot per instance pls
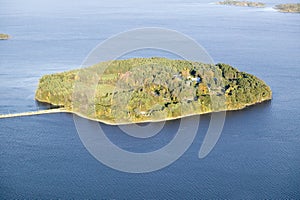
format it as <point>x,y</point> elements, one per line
<point>144,89</point>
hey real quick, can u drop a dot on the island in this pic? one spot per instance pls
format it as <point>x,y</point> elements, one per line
<point>291,7</point>
<point>4,36</point>
<point>151,89</point>
<point>242,3</point>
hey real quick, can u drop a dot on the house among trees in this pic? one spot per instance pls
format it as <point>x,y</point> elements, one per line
<point>197,79</point>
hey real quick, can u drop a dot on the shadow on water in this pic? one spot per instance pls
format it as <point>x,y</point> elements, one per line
<point>45,106</point>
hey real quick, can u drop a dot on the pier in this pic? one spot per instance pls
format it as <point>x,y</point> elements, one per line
<point>38,112</point>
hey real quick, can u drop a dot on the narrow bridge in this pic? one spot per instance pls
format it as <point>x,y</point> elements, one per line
<point>39,112</point>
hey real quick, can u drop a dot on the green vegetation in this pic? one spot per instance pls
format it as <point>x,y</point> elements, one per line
<point>291,7</point>
<point>242,3</point>
<point>4,36</point>
<point>151,89</point>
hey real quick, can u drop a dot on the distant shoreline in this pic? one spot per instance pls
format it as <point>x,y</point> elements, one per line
<point>288,8</point>
<point>4,36</point>
<point>242,3</point>
<point>284,8</point>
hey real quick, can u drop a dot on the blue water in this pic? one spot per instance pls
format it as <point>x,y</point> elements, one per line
<point>257,155</point>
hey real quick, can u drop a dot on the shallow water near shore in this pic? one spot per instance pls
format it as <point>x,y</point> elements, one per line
<point>257,155</point>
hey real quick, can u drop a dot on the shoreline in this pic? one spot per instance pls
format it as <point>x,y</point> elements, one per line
<point>159,120</point>
<point>166,119</point>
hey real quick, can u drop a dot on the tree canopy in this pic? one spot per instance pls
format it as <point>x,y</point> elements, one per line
<point>145,89</point>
